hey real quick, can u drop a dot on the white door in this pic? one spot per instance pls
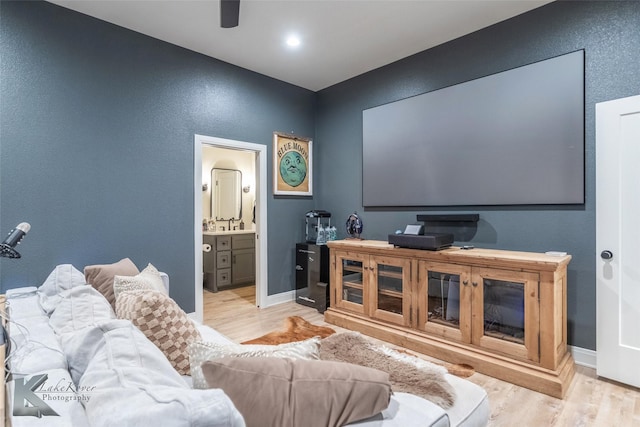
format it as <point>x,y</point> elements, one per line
<point>618,239</point>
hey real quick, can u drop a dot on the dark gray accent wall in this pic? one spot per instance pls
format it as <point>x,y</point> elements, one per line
<point>607,31</point>
<point>97,126</point>
<point>97,129</point>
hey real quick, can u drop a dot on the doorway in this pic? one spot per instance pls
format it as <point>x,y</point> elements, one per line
<point>257,211</point>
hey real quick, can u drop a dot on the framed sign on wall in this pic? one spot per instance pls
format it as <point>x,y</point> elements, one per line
<point>292,165</point>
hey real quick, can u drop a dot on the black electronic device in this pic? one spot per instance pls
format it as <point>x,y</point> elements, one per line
<point>429,241</point>
<point>457,218</point>
<point>312,276</point>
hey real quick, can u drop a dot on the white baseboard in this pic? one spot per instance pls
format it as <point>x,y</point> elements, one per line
<point>583,356</point>
<point>279,299</point>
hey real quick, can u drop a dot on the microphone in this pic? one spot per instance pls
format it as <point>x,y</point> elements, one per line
<point>7,247</point>
<point>16,235</point>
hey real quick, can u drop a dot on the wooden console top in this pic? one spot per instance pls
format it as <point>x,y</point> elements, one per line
<point>455,254</point>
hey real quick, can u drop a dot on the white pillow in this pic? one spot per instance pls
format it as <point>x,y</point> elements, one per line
<point>79,308</point>
<point>130,349</point>
<point>149,278</point>
<point>130,382</point>
<point>154,405</point>
<point>63,277</point>
<point>200,352</point>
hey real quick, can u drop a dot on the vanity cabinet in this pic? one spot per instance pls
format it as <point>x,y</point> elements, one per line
<point>243,259</point>
<point>502,312</point>
<point>231,261</point>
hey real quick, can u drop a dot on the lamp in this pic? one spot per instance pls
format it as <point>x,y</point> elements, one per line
<point>8,245</point>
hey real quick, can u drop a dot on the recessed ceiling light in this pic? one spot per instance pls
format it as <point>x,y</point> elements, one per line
<point>293,41</point>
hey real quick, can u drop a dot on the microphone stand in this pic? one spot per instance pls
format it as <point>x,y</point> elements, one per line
<point>7,251</point>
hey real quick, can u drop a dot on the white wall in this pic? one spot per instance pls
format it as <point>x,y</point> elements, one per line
<point>243,161</point>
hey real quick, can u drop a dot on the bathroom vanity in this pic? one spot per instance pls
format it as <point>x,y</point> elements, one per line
<point>231,261</point>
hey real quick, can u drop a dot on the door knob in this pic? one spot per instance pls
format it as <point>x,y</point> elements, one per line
<point>606,255</point>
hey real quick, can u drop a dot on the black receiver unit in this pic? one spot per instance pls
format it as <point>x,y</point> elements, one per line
<point>430,241</point>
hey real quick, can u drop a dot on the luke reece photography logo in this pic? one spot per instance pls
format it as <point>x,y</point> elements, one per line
<point>31,395</point>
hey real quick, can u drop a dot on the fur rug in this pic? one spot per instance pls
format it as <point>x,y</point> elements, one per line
<point>406,373</point>
<point>296,329</point>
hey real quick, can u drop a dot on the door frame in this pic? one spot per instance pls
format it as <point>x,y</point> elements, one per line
<point>261,214</point>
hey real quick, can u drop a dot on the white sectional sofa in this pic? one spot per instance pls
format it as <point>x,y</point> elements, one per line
<point>71,356</point>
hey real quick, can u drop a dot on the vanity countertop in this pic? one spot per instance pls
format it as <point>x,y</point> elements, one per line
<point>222,233</point>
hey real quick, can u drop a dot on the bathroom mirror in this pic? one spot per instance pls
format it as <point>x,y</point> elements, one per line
<point>226,194</point>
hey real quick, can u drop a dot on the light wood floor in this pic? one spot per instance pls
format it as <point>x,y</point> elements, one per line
<point>590,401</point>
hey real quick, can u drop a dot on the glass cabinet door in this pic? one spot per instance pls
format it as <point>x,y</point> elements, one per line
<point>506,307</point>
<point>351,279</point>
<point>390,289</point>
<point>444,300</point>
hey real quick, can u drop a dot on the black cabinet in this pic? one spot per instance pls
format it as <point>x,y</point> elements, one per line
<point>312,275</point>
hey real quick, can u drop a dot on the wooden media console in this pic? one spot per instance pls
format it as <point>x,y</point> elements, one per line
<point>502,312</point>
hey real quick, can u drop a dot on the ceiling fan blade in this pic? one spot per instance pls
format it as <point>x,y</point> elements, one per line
<point>229,13</point>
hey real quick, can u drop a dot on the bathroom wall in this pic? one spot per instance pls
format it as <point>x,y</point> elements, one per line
<point>245,162</point>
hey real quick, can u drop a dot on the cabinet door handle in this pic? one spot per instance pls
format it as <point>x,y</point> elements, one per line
<point>234,259</point>
<point>475,284</point>
<point>465,282</point>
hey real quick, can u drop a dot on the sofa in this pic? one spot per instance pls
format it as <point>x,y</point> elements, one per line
<point>73,362</point>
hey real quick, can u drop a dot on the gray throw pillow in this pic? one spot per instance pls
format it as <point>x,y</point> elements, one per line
<point>101,276</point>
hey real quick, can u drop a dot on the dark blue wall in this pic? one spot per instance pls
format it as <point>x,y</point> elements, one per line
<point>97,126</point>
<point>607,31</point>
<point>97,129</point>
